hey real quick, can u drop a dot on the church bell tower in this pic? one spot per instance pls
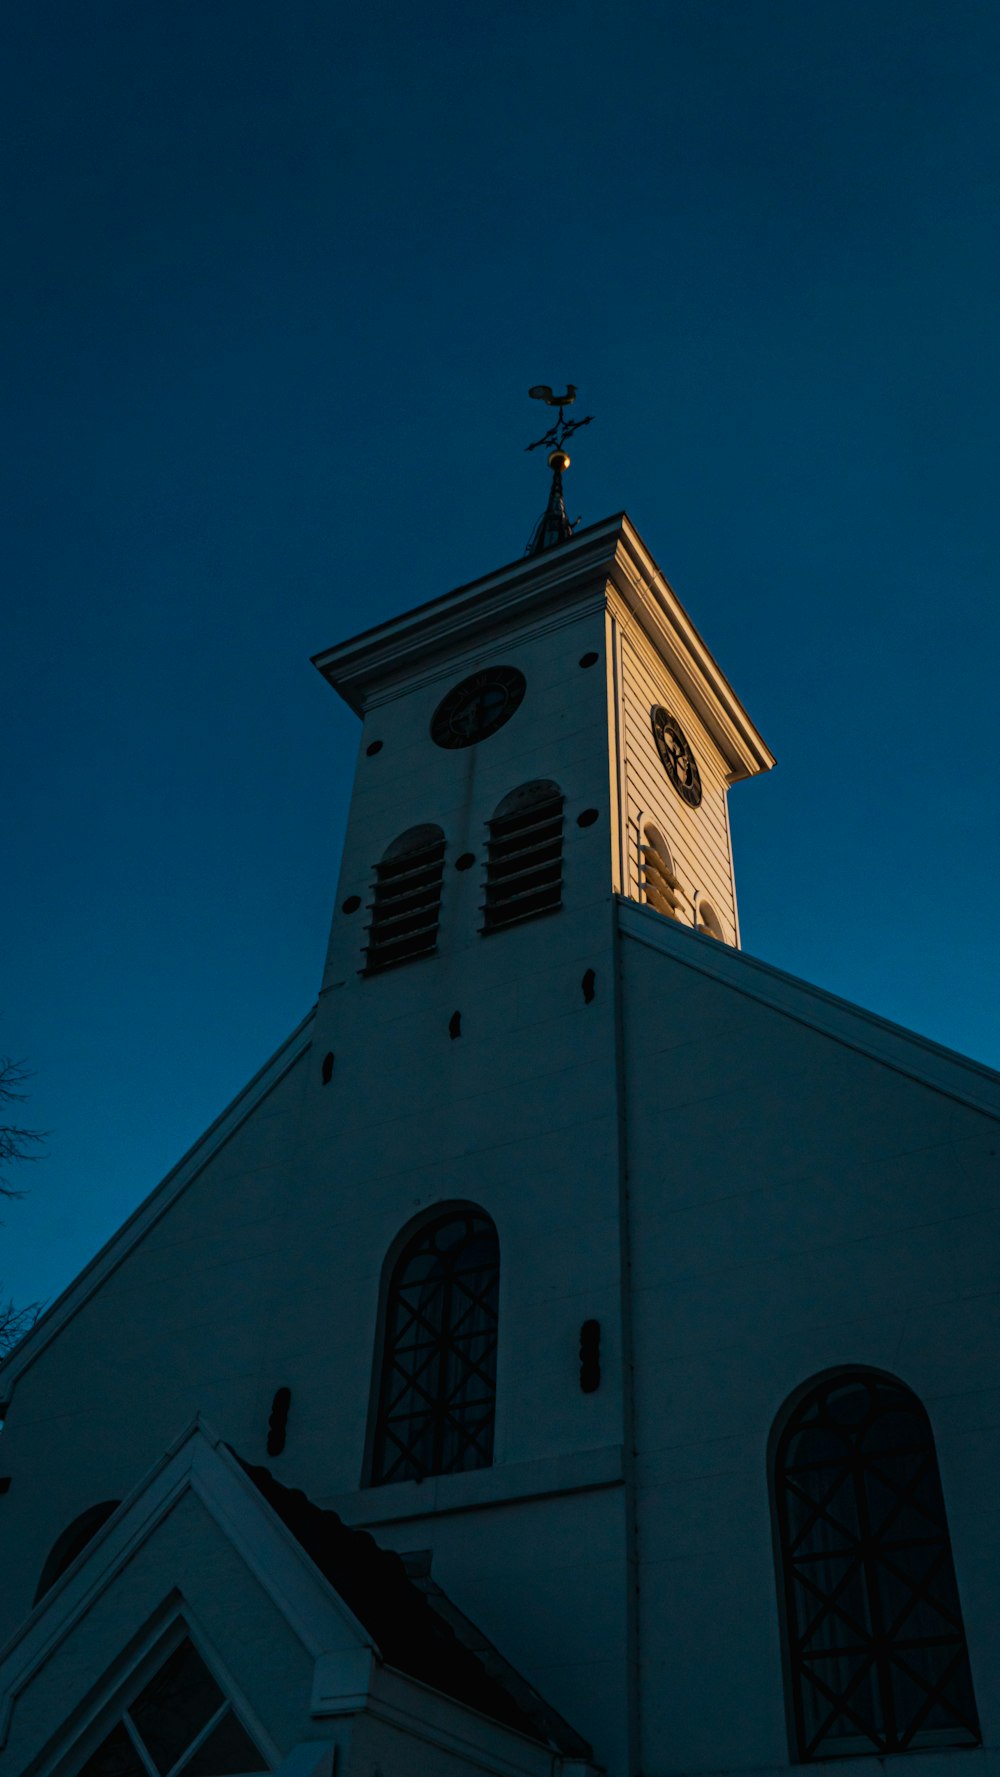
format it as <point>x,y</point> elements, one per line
<point>540,739</point>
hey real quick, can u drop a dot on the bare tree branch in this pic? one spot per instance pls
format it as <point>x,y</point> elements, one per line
<point>16,1142</point>
<point>14,1323</point>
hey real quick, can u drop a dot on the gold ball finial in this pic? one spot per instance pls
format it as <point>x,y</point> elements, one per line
<point>559,459</point>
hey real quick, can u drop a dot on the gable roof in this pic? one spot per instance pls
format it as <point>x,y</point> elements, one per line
<point>359,1620</point>
<point>197,1465</point>
<point>944,1070</point>
<point>412,1626</point>
<point>154,1206</point>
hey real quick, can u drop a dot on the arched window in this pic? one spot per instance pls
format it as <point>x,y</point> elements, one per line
<point>524,855</point>
<point>438,1385</point>
<point>659,884</point>
<point>74,1538</point>
<point>876,1651</point>
<point>407,903</point>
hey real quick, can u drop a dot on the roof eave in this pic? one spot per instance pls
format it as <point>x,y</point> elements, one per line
<point>959,1077</point>
<point>659,612</point>
<point>137,1225</point>
<point>366,665</point>
<point>362,665</point>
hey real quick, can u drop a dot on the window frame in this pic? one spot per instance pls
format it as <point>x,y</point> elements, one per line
<point>144,1657</point>
<point>408,1236</point>
<point>862,1745</point>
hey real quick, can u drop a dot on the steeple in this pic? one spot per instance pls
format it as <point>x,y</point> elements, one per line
<point>554,526</point>
<point>576,672</point>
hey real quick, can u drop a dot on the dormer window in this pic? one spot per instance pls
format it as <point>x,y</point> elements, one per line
<point>659,883</point>
<point>181,1723</point>
<point>406,907</point>
<point>524,855</point>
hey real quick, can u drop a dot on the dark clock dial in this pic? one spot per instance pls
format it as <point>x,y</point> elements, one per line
<point>477,707</point>
<point>678,759</point>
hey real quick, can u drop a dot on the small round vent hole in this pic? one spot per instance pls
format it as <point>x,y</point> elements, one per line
<point>351,905</point>
<point>587,818</point>
<point>466,861</point>
<point>590,659</point>
<point>374,747</point>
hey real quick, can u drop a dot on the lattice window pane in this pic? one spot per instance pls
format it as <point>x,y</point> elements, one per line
<point>179,1725</point>
<point>439,1369</point>
<point>175,1706</point>
<point>115,1757</point>
<point>877,1648</point>
<point>228,1752</point>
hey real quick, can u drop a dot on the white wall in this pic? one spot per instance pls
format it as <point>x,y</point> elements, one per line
<point>267,1271</point>
<point>698,837</point>
<point>176,1329</point>
<point>797,1206</point>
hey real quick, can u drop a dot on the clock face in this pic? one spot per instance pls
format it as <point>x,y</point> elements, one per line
<point>678,759</point>
<point>477,707</point>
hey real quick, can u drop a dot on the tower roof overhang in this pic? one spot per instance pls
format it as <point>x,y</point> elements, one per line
<point>605,556</point>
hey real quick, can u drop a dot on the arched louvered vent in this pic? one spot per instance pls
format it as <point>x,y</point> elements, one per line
<point>524,855</point>
<point>709,922</point>
<point>407,904</point>
<point>659,884</point>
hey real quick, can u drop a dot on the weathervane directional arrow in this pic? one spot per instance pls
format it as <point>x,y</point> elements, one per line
<point>557,435</point>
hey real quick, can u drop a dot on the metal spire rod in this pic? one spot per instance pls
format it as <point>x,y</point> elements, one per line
<point>554,526</point>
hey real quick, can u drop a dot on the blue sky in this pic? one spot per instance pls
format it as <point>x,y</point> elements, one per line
<point>277,280</point>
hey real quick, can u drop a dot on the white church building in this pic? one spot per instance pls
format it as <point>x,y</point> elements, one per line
<point>577,1349</point>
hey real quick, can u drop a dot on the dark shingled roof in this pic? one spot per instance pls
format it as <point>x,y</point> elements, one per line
<point>409,1633</point>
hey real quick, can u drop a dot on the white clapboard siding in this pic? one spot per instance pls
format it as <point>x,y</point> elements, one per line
<point>698,838</point>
